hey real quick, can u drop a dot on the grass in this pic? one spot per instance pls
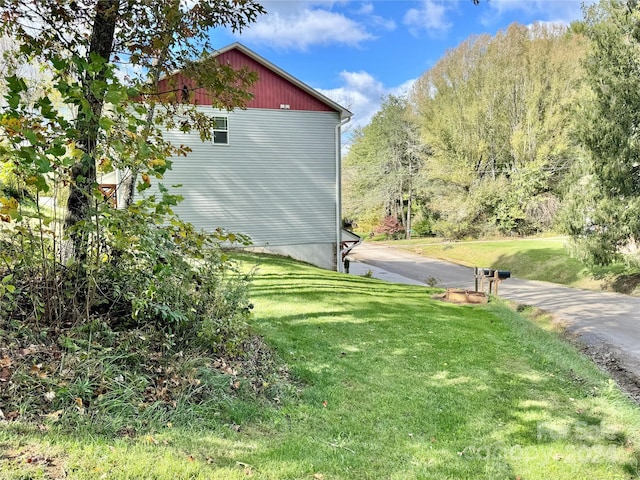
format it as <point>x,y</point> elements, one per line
<point>540,258</point>
<point>392,384</point>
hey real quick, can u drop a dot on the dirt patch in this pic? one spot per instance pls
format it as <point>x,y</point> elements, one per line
<point>615,364</point>
<point>467,297</point>
<point>30,460</point>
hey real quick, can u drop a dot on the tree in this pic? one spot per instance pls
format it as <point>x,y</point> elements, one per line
<point>84,43</point>
<point>498,113</point>
<point>102,110</point>
<point>603,216</point>
<point>382,166</point>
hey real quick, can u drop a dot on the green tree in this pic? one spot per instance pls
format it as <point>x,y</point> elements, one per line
<point>102,110</point>
<point>382,166</point>
<point>603,216</point>
<point>498,113</point>
<point>83,44</point>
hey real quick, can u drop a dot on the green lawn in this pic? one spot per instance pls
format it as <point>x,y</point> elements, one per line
<point>392,385</point>
<point>545,259</point>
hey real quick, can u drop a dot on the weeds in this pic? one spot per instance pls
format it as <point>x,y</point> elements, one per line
<point>129,382</point>
<point>153,326</point>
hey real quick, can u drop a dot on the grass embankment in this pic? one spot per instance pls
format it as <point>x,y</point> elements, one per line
<point>545,259</point>
<point>393,385</point>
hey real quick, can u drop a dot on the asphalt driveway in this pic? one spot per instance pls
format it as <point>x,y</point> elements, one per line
<point>606,324</point>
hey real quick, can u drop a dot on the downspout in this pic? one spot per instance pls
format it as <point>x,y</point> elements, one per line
<point>343,122</point>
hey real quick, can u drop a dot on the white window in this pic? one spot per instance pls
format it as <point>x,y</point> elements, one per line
<point>221,130</point>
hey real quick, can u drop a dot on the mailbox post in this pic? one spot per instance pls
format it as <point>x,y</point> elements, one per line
<point>493,277</point>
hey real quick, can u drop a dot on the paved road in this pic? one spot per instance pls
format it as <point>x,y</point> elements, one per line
<point>597,318</point>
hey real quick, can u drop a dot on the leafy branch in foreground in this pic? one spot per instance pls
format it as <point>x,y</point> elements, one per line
<point>84,283</point>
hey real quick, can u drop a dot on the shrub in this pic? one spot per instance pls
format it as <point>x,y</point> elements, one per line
<point>152,289</point>
<point>390,227</point>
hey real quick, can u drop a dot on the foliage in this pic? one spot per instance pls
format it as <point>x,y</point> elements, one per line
<point>603,216</point>
<point>162,286</point>
<point>91,118</point>
<point>382,166</point>
<point>128,382</point>
<point>390,227</point>
<point>138,270</point>
<point>497,112</point>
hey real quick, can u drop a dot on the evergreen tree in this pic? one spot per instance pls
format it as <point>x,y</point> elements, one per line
<point>603,215</point>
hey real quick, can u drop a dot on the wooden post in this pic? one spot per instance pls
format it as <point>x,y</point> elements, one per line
<point>475,275</point>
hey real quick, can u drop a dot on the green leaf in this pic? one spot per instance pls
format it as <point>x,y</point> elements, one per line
<point>16,84</point>
<point>58,63</point>
<point>142,186</point>
<point>106,123</point>
<point>43,163</point>
<point>31,136</point>
<point>46,107</point>
<point>13,99</point>
<point>56,150</point>
<point>68,344</point>
<point>115,95</point>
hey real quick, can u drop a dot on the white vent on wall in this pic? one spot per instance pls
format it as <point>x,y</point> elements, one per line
<point>285,106</point>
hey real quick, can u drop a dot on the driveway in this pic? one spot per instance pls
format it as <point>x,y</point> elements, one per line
<point>606,324</point>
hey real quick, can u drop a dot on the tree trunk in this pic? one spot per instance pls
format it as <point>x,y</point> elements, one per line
<point>409,201</point>
<point>83,173</point>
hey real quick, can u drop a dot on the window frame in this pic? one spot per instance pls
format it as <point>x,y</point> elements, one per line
<point>216,129</point>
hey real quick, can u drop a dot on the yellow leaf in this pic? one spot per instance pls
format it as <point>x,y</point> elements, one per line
<point>54,416</point>
<point>156,162</point>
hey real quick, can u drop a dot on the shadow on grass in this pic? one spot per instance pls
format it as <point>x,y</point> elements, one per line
<point>626,284</point>
<point>545,264</point>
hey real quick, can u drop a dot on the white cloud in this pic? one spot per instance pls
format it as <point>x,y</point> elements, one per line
<point>299,28</point>
<point>556,11</point>
<point>365,9</point>
<point>430,17</point>
<point>362,94</point>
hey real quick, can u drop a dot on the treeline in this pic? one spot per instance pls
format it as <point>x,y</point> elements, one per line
<point>531,130</point>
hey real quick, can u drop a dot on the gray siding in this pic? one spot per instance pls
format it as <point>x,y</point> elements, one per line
<point>275,181</point>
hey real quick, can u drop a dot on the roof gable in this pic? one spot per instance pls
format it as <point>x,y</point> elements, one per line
<point>274,89</point>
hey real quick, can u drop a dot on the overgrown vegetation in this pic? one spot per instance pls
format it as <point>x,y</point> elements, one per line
<point>115,317</point>
<point>393,384</point>
<point>161,333</point>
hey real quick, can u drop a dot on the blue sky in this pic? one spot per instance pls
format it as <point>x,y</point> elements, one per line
<point>355,52</point>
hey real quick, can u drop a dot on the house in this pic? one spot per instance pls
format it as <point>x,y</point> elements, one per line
<point>271,171</point>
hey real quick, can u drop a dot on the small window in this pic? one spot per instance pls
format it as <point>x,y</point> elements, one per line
<point>221,130</point>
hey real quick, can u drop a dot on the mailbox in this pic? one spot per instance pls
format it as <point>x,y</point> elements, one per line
<point>492,276</point>
<point>503,274</point>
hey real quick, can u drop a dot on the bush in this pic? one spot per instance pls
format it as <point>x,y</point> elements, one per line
<point>110,333</point>
<point>390,227</point>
